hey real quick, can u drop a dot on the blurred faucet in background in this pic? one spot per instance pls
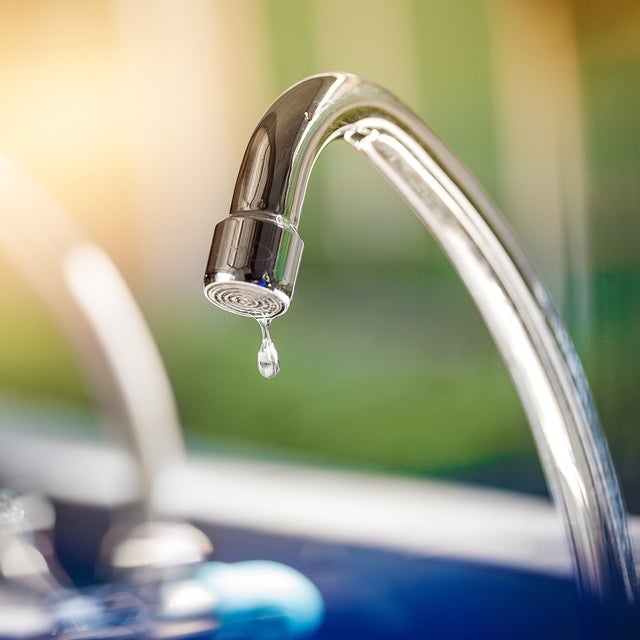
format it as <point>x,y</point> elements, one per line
<point>100,319</point>
<point>86,294</point>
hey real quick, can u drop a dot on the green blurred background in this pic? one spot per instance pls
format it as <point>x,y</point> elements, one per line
<point>134,115</point>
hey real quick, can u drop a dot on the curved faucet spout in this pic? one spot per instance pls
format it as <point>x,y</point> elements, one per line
<point>256,252</point>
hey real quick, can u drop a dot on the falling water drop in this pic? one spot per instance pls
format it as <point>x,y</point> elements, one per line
<point>268,360</point>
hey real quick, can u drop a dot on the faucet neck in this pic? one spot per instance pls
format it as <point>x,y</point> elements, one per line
<point>285,144</point>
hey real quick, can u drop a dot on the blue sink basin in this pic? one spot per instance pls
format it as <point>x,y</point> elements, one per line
<point>375,593</point>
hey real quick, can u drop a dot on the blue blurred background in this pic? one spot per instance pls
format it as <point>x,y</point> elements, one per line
<point>134,115</point>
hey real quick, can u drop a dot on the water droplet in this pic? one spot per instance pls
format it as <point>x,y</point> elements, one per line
<point>268,360</point>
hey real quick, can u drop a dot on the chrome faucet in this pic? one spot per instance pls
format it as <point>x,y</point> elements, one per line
<point>256,252</point>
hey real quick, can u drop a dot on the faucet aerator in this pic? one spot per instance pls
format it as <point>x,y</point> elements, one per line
<point>253,265</point>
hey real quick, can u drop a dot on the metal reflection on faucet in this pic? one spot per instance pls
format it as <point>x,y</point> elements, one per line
<point>260,236</point>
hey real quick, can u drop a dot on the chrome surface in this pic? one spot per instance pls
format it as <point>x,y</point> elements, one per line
<point>513,301</point>
<point>27,561</point>
<point>145,550</point>
<point>253,265</point>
